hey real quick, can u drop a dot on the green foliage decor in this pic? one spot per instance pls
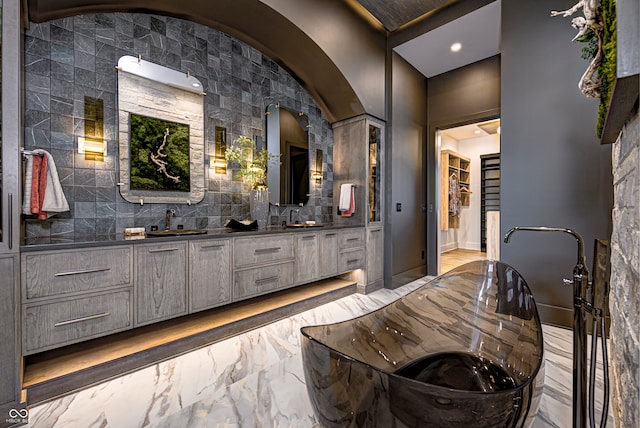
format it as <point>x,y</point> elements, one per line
<point>159,154</point>
<point>607,70</point>
<point>252,163</point>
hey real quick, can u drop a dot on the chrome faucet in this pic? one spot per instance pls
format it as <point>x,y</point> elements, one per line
<point>581,307</point>
<point>297,211</point>
<point>170,213</point>
<point>581,260</point>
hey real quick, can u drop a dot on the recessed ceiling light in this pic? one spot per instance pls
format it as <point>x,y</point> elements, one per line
<point>477,132</point>
<point>195,84</point>
<point>456,47</point>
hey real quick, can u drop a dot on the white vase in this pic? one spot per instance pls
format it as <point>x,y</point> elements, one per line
<point>259,206</point>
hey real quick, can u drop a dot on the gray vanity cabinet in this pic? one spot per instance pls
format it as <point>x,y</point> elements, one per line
<point>358,154</point>
<point>262,264</point>
<point>210,274</point>
<point>60,273</point>
<point>307,259</point>
<point>161,281</point>
<point>375,259</point>
<point>351,250</point>
<point>328,256</point>
<point>9,343</point>
<point>73,295</point>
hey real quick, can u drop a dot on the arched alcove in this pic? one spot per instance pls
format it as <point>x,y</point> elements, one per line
<point>254,23</point>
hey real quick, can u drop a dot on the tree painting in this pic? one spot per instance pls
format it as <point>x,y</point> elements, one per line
<point>159,154</point>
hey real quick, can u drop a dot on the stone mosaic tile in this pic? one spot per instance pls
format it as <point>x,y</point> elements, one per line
<point>74,57</point>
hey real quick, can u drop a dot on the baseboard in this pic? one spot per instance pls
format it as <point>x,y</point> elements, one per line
<point>370,288</point>
<point>402,278</point>
<point>448,247</point>
<point>474,246</point>
<point>555,315</point>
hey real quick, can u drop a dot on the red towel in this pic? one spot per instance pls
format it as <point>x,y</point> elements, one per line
<point>352,205</point>
<point>38,185</point>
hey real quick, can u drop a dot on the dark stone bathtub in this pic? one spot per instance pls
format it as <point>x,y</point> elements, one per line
<point>464,350</point>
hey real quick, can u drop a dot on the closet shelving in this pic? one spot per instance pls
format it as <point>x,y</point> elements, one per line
<point>453,164</point>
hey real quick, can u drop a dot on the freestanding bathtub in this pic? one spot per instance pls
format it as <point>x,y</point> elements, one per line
<point>464,350</point>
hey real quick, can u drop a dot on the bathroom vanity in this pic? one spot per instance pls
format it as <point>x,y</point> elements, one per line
<point>76,292</point>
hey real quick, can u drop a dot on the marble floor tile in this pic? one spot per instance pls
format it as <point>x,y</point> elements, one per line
<point>256,380</point>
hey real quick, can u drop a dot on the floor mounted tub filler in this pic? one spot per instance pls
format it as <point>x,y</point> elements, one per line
<point>464,350</point>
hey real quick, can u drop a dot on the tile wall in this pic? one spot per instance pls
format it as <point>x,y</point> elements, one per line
<point>68,59</point>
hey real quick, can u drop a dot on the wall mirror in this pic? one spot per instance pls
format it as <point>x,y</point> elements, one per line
<point>288,138</point>
<point>160,134</point>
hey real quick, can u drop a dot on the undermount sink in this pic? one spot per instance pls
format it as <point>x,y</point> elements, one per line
<point>297,225</point>
<point>177,232</point>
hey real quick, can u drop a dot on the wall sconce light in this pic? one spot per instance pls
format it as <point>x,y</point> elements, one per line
<point>217,161</point>
<point>93,145</point>
<point>316,174</point>
<point>93,149</point>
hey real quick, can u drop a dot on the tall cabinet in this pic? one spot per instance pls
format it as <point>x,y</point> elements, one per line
<point>358,158</point>
<point>10,356</point>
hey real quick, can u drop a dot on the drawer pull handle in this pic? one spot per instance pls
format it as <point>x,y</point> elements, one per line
<point>353,239</point>
<point>163,250</point>
<point>80,272</point>
<point>267,250</point>
<point>309,237</point>
<point>330,234</point>
<point>213,246</point>
<point>82,319</point>
<point>352,261</point>
<point>269,279</point>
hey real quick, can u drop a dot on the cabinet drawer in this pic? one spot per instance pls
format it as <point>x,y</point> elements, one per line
<point>64,272</point>
<point>350,260</point>
<point>351,238</point>
<point>252,250</point>
<point>262,280</point>
<point>68,321</point>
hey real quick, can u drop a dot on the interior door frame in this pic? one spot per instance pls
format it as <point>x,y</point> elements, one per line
<point>433,181</point>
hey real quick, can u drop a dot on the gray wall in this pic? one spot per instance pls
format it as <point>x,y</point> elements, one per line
<point>554,171</point>
<point>361,59</point>
<point>467,94</point>
<point>69,58</point>
<point>406,230</point>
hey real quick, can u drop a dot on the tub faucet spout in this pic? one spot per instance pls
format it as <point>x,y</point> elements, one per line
<point>580,306</point>
<point>580,241</point>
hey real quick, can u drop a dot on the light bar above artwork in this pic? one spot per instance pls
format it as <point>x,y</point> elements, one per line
<point>160,74</point>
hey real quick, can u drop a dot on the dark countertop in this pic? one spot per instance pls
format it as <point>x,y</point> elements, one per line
<point>111,240</point>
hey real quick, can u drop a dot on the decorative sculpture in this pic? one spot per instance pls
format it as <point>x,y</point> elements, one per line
<point>162,165</point>
<point>590,83</point>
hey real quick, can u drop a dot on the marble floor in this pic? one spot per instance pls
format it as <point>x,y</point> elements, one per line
<point>256,380</point>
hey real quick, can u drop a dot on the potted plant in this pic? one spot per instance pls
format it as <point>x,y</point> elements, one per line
<point>252,170</point>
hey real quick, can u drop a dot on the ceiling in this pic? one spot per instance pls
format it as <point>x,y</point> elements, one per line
<point>474,130</point>
<point>393,14</point>
<point>478,32</point>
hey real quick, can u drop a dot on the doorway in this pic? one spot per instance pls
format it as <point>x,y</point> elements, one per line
<point>468,186</point>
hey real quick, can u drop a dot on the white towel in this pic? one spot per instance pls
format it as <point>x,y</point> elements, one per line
<point>345,196</point>
<point>54,199</point>
<point>28,178</point>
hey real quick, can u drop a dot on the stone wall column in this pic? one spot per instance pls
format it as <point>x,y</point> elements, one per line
<point>625,278</point>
